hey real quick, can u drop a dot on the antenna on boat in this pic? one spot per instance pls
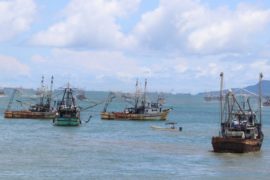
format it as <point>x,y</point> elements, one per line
<point>42,81</point>
<point>221,97</point>
<point>260,96</point>
<point>51,83</point>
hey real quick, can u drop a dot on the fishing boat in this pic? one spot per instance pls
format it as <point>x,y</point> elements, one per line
<point>41,110</point>
<point>2,92</point>
<point>241,129</point>
<point>140,110</point>
<point>81,95</point>
<point>267,101</point>
<point>68,114</point>
<point>211,96</point>
<point>170,127</point>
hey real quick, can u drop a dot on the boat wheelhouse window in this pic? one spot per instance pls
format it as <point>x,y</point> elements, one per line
<point>235,123</point>
<point>251,118</point>
<point>154,105</point>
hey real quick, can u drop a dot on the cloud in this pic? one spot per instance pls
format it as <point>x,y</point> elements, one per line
<point>232,31</point>
<point>38,59</point>
<point>199,73</point>
<point>114,70</point>
<point>16,17</point>
<point>191,26</point>
<point>181,45</point>
<point>10,66</point>
<point>84,66</point>
<point>89,24</point>
<point>187,26</point>
<point>262,65</point>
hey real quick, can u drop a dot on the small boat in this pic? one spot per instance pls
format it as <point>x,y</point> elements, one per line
<point>68,114</point>
<point>241,130</point>
<point>2,92</point>
<point>81,95</point>
<point>40,110</point>
<point>171,127</point>
<point>212,96</point>
<point>141,110</point>
<point>267,101</point>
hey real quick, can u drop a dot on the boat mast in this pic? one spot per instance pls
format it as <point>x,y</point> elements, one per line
<point>72,98</point>
<point>42,90</point>
<point>63,102</point>
<point>136,95</point>
<point>51,84</point>
<point>260,97</point>
<point>221,97</point>
<point>144,95</point>
<point>50,95</point>
<point>68,96</point>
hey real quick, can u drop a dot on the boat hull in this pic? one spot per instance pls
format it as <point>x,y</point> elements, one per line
<point>58,121</point>
<point>236,145</point>
<point>128,116</point>
<point>177,129</point>
<point>29,115</point>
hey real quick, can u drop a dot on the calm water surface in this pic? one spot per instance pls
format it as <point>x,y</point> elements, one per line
<point>35,149</point>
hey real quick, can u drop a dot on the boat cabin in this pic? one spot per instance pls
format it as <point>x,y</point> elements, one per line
<point>67,112</point>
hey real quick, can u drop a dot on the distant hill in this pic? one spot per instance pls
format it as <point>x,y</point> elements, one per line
<point>265,88</point>
<point>251,88</point>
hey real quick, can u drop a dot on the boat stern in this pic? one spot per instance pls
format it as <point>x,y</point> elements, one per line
<point>235,145</point>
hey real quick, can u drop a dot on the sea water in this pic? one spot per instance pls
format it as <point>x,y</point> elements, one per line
<point>35,149</point>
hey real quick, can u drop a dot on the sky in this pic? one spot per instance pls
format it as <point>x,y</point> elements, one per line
<point>180,46</point>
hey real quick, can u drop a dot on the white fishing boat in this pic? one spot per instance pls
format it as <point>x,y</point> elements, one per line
<point>170,127</point>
